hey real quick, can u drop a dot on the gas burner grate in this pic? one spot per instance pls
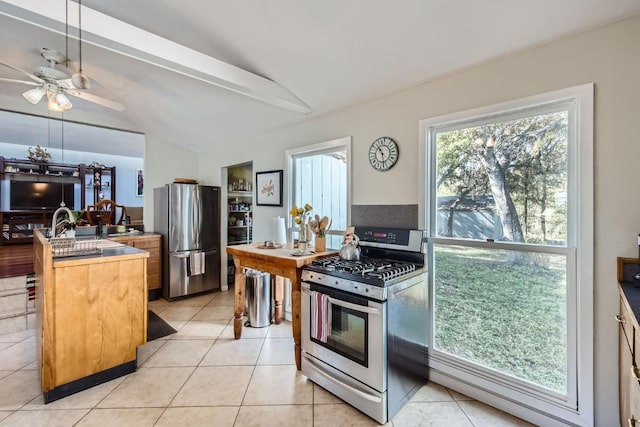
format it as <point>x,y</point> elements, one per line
<point>383,269</point>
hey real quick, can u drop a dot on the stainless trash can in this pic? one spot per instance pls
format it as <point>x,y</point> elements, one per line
<point>258,291</point>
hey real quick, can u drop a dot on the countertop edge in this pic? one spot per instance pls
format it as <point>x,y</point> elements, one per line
<point>107,255</point>
<point>632,296</point>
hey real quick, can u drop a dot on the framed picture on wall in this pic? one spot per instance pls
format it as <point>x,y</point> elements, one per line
<point>269,188</point>
<point>140,187</point>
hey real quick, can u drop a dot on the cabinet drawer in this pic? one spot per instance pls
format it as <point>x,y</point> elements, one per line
<point>626,324</point>
<point>147,244</point>
<point>124,241</point>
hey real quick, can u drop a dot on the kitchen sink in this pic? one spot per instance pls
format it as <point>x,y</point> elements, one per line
<point>82,246</point>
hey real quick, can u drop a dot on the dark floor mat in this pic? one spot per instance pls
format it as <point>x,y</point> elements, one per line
<point>157,328</point>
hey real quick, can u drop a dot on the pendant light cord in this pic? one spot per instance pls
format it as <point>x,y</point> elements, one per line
<point>66,33</point>
<point>80,32</point>
<point>62,152</point>
<point>62,136</point>
<point>48,129</point>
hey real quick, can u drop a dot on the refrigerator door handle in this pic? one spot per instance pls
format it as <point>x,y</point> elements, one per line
<point>182,255</point>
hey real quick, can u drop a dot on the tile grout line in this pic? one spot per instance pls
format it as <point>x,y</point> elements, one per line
<point>164,410</point>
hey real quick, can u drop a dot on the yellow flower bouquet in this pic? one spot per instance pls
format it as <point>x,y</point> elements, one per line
<point>318,226</point>
<point>301,214</point>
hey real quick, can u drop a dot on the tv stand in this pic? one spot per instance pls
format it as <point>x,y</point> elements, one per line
<point>18,226</point>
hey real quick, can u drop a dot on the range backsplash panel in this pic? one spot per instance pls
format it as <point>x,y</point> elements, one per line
<point>394,216</point>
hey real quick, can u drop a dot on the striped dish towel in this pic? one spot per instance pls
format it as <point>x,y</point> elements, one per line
<point>320,316</point>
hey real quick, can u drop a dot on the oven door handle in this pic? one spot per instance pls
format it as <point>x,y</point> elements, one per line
<point>355,307</point>
<point>360,393</point>
<point>345,304</point>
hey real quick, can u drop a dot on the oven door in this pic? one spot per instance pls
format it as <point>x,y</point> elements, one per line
<point>356,344</point>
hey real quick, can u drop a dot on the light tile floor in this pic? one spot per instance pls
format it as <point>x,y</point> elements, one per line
<point>201,376</point>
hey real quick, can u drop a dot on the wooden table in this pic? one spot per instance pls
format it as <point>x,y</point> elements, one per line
<point>278,262</point>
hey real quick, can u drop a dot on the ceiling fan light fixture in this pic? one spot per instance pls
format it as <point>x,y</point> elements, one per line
<point>34,95</point>
<point>52,105</point>
<point>62,101</point>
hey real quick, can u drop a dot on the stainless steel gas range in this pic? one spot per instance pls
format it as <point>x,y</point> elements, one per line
<point>364,323</point>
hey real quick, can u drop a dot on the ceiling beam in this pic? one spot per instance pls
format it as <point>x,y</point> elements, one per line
<point>118,36</point>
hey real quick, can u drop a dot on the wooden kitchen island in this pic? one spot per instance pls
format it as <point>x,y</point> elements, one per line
<point>91,315</point>
<point>278,262</point>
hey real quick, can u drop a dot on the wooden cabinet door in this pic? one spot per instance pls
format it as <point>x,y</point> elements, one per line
<point>625,318</point>
<point>151,244</point>
<point>629,371</point>
<point>154,270</point>
<point>633,419</point>
<point>624,377</point>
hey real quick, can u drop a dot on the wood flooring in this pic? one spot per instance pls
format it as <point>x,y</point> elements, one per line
<point>16,260</point>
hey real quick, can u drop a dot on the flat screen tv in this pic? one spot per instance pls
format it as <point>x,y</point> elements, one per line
<point>25,195</point>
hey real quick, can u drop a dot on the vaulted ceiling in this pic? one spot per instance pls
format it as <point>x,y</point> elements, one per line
<point>282,61</point>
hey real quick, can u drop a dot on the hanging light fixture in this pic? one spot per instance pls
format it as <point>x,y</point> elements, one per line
<point>52,105</point>
<point>63,101</point>
<point>57,101</point>
<point>34,95</point>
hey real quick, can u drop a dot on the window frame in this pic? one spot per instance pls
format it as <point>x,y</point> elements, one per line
<point>581,271</point>
<point>338,144</point>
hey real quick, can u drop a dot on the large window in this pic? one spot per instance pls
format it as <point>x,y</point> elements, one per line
<point>507,204</point>
<point>319,175</point>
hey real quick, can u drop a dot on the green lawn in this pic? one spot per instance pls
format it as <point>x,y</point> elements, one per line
<point>510,317</point>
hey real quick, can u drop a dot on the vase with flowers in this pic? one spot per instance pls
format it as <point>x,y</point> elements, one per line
<point>309,227</point>
<point>301,218</point>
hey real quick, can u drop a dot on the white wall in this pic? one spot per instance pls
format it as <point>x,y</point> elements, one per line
<point>609,57</point>
<point>163,162</point>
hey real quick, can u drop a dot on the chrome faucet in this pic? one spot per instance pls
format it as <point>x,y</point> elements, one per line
<point>54,222</point>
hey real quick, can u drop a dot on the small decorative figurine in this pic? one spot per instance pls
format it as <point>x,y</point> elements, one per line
<point>39,154</point>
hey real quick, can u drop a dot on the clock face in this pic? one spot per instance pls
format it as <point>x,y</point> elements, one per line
<point>383,153</point>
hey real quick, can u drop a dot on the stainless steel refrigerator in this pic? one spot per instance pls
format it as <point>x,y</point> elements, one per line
<point>188,217</point>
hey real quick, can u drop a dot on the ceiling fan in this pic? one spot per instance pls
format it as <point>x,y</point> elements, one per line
<point>55,84</point>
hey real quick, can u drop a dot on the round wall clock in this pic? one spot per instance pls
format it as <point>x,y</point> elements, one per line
<point>383,153</point>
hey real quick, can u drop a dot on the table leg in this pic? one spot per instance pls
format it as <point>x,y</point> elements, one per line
<point>295,315</point>
<point>238,310</point>
<point>278,297</point>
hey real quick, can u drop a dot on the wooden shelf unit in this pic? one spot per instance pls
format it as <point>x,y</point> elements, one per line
<point>98,180</point>
<point>239,210</point>
<point>83,174</point>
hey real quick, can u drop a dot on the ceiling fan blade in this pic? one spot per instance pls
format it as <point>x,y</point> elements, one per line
<point>26,73</point>
<point>80,81</point>
<point>20,81</point>
<point>96,99</point>
<point>74,66</point>
<point>66,84</point>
